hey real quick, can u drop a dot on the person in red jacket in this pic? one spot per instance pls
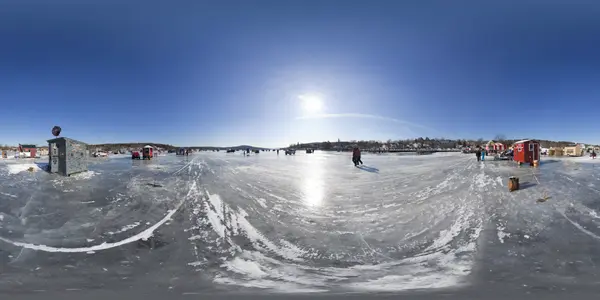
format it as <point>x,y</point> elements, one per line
<point>356,156</point>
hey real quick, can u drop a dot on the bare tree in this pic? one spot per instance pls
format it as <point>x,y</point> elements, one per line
<point>500,138</point>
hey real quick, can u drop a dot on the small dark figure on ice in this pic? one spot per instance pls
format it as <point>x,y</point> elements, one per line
<point>356,156</point>
<point>478,154</point>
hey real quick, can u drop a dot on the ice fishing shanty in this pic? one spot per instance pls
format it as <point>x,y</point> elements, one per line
<point>147,152</point>
<point>29,149</point>
<point>67,156</point>
<point>526,151</point>
<point>494,146</point>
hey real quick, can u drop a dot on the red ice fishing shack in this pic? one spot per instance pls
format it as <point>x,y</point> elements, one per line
<point>526,151</point>
<point>147,152</point>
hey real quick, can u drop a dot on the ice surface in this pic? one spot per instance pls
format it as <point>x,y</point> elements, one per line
<point>304,223</point>
<point>579,159</point>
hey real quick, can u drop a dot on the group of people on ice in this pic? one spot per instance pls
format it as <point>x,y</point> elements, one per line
<point>480,153</point>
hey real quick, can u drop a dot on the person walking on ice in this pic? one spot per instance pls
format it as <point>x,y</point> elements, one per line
<point>356,156</point>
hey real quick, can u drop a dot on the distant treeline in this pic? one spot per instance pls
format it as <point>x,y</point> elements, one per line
<point>116,147</point>
<point>418,143</point>
<point>342,145</point>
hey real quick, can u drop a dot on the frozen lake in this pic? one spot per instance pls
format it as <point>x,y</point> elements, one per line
<point>217,222</point>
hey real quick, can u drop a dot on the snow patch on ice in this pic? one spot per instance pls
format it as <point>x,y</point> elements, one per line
<point>125,228</point>
<point>218,213</point>
<point>262,202</point>
<point>281,287</point>
<point>592,213</point>
<point>438,189</point>
<point>197,263</point>
<point>481,181</point>
<point>407,282</point>
<point>245,267</point>
<point>18,168</point>
<point>215,215</point>
<point>84,175</point>
<point>499,181</point>
<point>501,233</point>
<point>8,195</point>
<point>465,217</point>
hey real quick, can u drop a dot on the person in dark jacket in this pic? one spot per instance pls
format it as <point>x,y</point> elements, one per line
<point>356,156</point>
<point>478,154</point>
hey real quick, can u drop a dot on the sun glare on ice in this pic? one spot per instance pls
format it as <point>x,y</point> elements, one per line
<point>313,188</point>
<point>311,103</point>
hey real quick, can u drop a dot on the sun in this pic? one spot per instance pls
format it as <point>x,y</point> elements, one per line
<point>311,103</point>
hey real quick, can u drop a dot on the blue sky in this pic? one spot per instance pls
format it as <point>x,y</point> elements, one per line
<point>239,72</point>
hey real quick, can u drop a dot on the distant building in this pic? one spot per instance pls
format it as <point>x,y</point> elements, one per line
<point>494,146</point>
<point>42,151</point>
<point>555,151</point>
<point>575,150</point>
<point>28,150</point>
